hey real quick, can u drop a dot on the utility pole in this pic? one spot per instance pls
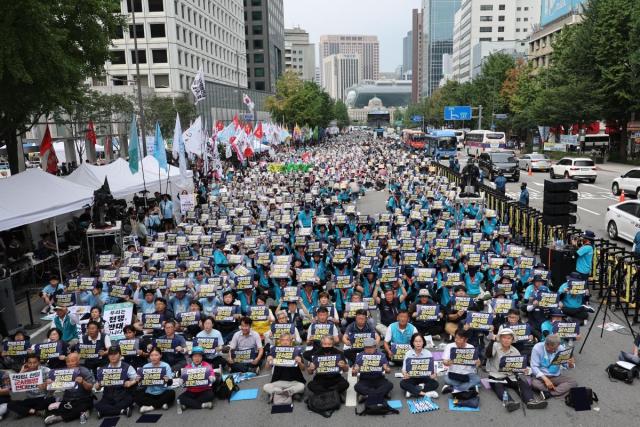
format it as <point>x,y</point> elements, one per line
<point>479,117</point>
<point>140,107</point>
<point>238,81</point>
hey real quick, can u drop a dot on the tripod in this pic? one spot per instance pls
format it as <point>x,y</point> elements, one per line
<point>604,301</point>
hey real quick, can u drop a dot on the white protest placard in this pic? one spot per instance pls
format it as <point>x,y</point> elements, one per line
<point>187,203</point>
<point>116,317</point>
<point>25,381</point>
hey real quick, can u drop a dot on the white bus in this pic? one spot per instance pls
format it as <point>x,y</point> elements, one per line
<point>482,141</point>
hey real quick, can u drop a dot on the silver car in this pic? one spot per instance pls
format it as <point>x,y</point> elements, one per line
<point>537,162</point>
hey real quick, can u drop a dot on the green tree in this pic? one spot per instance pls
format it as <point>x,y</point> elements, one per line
<point>341,114</point>
<point>48,48</point>
<point>164,109</point>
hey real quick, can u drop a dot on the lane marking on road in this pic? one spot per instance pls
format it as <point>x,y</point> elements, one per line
<point>538,183</point>
<point>587,210</point>
<point>595,186</point>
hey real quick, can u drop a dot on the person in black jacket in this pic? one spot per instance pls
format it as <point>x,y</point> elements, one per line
<point>328,376</point>
<point>117,398</point>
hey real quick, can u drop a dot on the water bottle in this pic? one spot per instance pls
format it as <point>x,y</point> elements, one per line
<point>83,417</point>
<point>505,398</point>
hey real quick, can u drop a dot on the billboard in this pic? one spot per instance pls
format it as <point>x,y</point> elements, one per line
<point>554,9</point>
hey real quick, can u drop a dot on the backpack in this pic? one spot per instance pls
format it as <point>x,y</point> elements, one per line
<point>376,405</point>
<point>580,398</point>
<point>617,372</point>
<point>324,403</point>
<point>226,388</point>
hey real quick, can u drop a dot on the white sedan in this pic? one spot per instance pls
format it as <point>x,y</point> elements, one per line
<point>575,168</point>
<point>536,161</point>
<point>629,183</point>
<point>623,220</point>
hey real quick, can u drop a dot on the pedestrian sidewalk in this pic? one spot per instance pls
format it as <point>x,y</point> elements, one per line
<point>614,167</point>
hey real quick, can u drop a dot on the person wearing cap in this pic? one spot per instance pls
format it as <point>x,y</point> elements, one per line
<point>116,399</point>
<point>547,377</point>
<point>418,386</point>
<point>431,328</point>
<point>286,380</point>
<point>502,381</point>
<point>198,397</point>
<point>66,323</point>
<point>305,216</point>
<point>584,254</point>
<point>372,383</point>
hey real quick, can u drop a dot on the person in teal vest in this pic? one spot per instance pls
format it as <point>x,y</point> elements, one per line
<point>66,323</point>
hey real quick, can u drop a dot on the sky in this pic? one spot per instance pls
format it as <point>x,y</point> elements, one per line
<point>388,19</point>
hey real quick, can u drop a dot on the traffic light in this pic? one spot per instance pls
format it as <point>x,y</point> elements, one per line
<point>559,200</point>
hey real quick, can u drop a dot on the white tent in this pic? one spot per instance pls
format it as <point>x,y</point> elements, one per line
<point>123,183</point>
<point>34,195</point>
<point>58,146</point>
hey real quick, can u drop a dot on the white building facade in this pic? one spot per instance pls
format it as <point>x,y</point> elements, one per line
<point>299,54</point>
<point>340,72</point>
<point>366,47</point>
<point>483,27</point>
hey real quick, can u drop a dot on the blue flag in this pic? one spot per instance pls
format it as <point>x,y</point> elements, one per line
<point>134,149</point>
<point>158,149</point>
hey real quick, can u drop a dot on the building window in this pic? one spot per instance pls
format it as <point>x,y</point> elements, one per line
<point>161,80</point>
<point>137,5</point>
<point>486,18</point>
<point>258,58</point>
<point>256,15</point>
<point>139,31</point>
<point>259,85</point>
<point>155,6</point>
<point>517,30</point>
<point>181,81</point>
<point>486,7</point>
<point>485,29</point>
<point>525,19</point>
<point>157,30</point>
<point>142,55</point>
<point>119,80</point>
<point>178,32</point>
<point>518,8</point>
<point>258,44</point>
<point>485,39</point>
<point>501,29</point>
<point>179,57</point>
<point>258,72</point>
<point>501,7</point>
<point>500,39</point>
<point>118,57</point>
<point>256,30</point>
<point>159,56</point>
<point>501,18</point>
<point>118,33</point>
<point>256,2</point>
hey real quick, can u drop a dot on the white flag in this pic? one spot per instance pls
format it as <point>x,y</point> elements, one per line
<point>178,147</point>
<point>248,102</point>
<point>193,138</point>
<point>198,86</point>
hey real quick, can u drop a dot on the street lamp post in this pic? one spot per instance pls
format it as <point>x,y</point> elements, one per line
<point>139,84</point>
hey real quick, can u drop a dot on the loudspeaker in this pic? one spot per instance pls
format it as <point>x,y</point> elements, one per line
<point>560,262</point>
<point>8,315</point>
<point>558,207</point>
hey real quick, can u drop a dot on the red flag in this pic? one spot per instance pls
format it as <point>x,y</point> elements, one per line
<point>306,156</point>
<point>236,121</point>
<point>91,133</point>
<point>258,132</point>
<point>219,125</point>
<point>47,142</point>
<point>52,161</point>
<point>247,129</point>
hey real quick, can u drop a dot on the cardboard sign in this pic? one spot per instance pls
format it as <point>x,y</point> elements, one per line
<point>427,313</point>
<point>196,377</point>
<point>111,377</point>
<point>116,317</point>
<point>562,357</point>
<point>547,299</point>
<point>399,350</point>
<point>419,367</point>
<point>464,356</point>
<point>15,348</point>
<point>319,330</point>
<point>479,321</point>
<point>357,338</point>
<point>290,294</point>
<point>165,345</point>
<point>188,318</point>
<point>452,279</point>
<point>209,345</point>
<point>513,364</point>
<point>461,303</point>
<point>152,321</point>
<point>522,331</point>
<point>285,356</point>
<point>327,364</point>
<point>577,287</point>
<point>370,363</point>
<point>65,300</point>
<point>424,275</point>
<point>244,356</point>
<point>63,379</point>
<point>88,351</point>
<point>306,275</point>
<point>224,313</point>
<point>344,281</point>
<point>388,274</point>
<point>259,313</point>
<point>25,381</point>
<point>279,329</point>
<point>50,350</point>
<point>566,329</point>
<point>151,376</point>
<point>129,347</point>
<point>501,305</point>
<point>207,290</point>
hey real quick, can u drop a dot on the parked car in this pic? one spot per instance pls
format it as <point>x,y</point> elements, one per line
<point>575,168</point>
<point>537,162</point>
<point>628,182</point>
<point>493,163</point>
<point>622,220</point>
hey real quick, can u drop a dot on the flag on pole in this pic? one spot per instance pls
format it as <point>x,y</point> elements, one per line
<point>198,86</point>
<point>236,121</point>
<point>46,147</point>
<point>178,146</point>
<point>248,102</point>
<point>193,138</point>
<point>258,133</point>
<point>159,151</point>
<point>134,146</point>
<point>91,133</point>
<point>216,164</point>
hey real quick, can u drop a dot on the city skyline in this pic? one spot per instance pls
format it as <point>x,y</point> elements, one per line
<point>317,22</point>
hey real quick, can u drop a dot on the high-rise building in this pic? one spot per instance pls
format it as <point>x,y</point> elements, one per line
<point>340,72</point>
<point>437,18</point>
<point>407,51</point>
<point>482,28</point>
<point>367,47</point>
<point>264,29</point>
<point>176,39</point>
<point>299,54</point>
<point>317,76</point>
<point>417,54</point>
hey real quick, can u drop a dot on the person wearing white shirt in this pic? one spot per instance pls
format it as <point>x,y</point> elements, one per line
<point>459,378</point>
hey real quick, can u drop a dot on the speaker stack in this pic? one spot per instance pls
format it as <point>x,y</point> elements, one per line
<point>559,200</point>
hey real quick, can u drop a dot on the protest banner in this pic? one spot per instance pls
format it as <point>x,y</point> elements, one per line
<point>116,317</point>
<point>15,348</point>
<point>427,313</point>
<point>419,367</point>
<point>209,345</point>
<point>111,377</point>
<point>129,347</point>
<point>370,363</point>
<point>327,364</point>
<point>566,330</point>
<point>196,377</point>
<point>151,376</point>
<point>284,356</point>
<point>513,364</point>
<point>562,357</point>
<point>63,379</point>
<point>464,356</point>
<point>25,381</point>
<point>479,321</point>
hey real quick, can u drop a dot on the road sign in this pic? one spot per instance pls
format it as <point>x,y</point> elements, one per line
<point>501,116</point>
<point>248,117</point>
<point>417,119</point>
<point>457,113</point>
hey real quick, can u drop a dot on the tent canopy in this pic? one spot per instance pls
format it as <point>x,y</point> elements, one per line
<point>35,195</point>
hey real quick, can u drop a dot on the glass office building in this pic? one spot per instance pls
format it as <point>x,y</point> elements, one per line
<point>438,18</point>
